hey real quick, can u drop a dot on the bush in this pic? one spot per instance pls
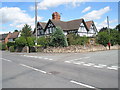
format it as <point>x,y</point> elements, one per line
<point>2,46</point>
<point>71,38</point>
<point>58,38</point>
<point>21,41</point>
<point>43,41</point>
<point>10,44</point>
<point>30,41</point>
<point>76,39</point>
<point>12,49</point>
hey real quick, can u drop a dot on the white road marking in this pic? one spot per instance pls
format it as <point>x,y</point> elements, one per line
<point>6,60</point>
<point>45,58</point>
<point>86,57</point>
<point>87,64</point>
<point>85,85</point>
<point>91,64</point>
<point>102,65</point>
<point>33,68</point>
<point>68,61</point>
<point>97,66</point>
<point>112,68</point>
<point>36,57</point>
<point>77,63</point>
<point>50,59</point>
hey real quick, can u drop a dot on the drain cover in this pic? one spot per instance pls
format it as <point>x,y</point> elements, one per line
<point>54,72</point>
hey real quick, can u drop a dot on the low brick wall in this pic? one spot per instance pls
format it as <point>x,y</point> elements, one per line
<point>78,49</point>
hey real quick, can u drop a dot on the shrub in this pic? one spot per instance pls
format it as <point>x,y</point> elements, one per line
<point>10,44</point>
<point>74,39</point>
<point>30,41</point>
<point>12,49</point>
<point>21,41</point>
<point>43,41</point>
<point>71,39</point>
<point>58,38</point>
<point>2,46</point>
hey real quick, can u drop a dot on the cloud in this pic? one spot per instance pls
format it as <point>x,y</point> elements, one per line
<point>45,4</point>
<point>104,24</point>
<point>16,17</point>
<point>86,9</point>
<point>96,14</point>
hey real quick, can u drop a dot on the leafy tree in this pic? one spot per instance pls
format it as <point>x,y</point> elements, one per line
<point>118,27</point>
<point>15,30</point>
<point>103,38</point>
<point>103,29</point>
<point>26,31</point>
<point>58,38</point>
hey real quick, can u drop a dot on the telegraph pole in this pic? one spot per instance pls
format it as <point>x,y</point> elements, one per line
<point>36,20</point>
<point>108,27</point>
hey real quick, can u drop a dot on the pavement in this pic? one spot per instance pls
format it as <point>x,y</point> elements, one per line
<point>94,70</point>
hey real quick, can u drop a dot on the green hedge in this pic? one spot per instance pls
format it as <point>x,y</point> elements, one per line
<point>12,49</point>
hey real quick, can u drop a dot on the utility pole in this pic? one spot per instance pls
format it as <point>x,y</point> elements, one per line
<point>108,27</point>
<point>36,20</point>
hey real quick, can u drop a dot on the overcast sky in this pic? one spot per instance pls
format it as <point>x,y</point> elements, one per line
<point>16,14</point>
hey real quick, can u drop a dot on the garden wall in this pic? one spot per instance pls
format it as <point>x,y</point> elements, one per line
<point>78,49</point>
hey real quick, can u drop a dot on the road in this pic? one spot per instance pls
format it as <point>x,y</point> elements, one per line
<point>60,70</point>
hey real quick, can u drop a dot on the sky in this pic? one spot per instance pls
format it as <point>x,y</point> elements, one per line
<point>16,14</point>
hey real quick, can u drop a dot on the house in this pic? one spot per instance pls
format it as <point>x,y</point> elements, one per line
<point>78,26</point>
<point>2,37</point>
<point>92,30</point>
<point>13,36</point>
<point>40,29</point>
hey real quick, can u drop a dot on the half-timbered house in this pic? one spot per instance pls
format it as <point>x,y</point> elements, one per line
<point>78,26</point>
<point>40,29</point>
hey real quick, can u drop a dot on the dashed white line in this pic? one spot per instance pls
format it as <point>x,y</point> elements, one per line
<point>87,64</point>
<point>86,57</point>
<point>50,59</point>
<point>37,57</point>
<point>82,84</point>
<point>68,61</point>
<point>6,60</point>
<point>112,68</point>
<point>45,58</point>
<point>97,66</point>
<point>33,68</point>
<point>77,63</point>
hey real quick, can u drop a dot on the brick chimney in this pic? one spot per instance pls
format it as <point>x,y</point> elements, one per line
<point>56,16</point>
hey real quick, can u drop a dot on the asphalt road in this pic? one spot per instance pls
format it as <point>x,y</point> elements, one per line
<point>60,70</point>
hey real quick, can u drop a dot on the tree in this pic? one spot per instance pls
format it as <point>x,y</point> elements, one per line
<point>26,31</point>
<point>58,38</point>
<point>15,30</point>
<point>103,38</point>
<point>118,27</point>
